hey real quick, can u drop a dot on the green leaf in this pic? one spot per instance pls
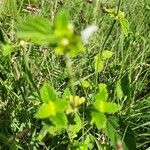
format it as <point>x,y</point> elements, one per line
<point>118,90</point>
<point>125,85</point>
<point>61,105</point>
<point>99,119</point>
<point>112,132</point>
<point>62,24</point>
<point>7,49</point>
<point>86,84</point>
<point>42,134</point>
<point>124,25</point>
<point>106,107</point>
<point>76,126</point>
<point>89,141</point>
<point>103,93</point>
<point>48,93</point>
<point>46,110</point>
<point>117,131</point>
<point>98,64</point>
<point>107,54</point>
<point>60,120</point>
<point>79,146</point>
<point>66,93</point>
<point>38,30</point>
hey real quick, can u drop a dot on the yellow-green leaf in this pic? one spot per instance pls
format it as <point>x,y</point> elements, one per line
<point>38,30</point>
<point>86,84</point>
<point>103,93</point>
<point>7,49</point>
<point>46,110</point>
<point>99,119</point>
<point>98,64</point>
<point>107,54</point>
<point>47,93</point>
<point>106,107</point>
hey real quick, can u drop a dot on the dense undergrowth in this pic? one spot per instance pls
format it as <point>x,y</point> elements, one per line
<point>58,91</point>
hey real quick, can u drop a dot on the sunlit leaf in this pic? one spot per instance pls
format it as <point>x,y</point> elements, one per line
<point>47,93</point>
<point>79,146</point>
<point>98,64</point>
<point>86,84</point>
<point>61,105</point>
<point>103,93</point>
<point>107,54</point>
<point>63,27</point>
<point>106,107</point>
<point>46,110</point>
<point>7,49</point>
<point>124,26</point>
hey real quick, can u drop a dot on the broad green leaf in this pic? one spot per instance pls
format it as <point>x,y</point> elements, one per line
<point>106,107</point>
<point>61,105</point>
<point>107,54</point>
<point>46,110</point>
<point>76,126</point>
<point>125,85</point>
<point>98,64</point>
<point>60,120</point>
<point>62,24</point>
<point>118,90</point>
<point>38,30</point>
<point>103,93</point>
<point>112,132</point>
<point>124,25</point>
<point>47,93</point>
<point>117,131</point>
<point>7,49</point>
<point>99,119</point>
<point>89,141</point>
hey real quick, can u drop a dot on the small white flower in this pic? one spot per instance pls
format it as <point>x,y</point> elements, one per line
<point>86,33</point>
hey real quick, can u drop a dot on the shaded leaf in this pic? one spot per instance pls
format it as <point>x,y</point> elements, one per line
<point>118,90</point>
<point>59,120</point>
<point>99,119</point>
<point>76,126</point>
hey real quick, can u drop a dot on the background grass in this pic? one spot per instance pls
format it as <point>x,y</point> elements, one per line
<point>130,64</point>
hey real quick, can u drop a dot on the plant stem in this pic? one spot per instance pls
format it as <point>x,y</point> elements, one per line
<point>69,72</point>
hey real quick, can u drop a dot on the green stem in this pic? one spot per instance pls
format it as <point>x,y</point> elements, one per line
<point>69,72</point>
